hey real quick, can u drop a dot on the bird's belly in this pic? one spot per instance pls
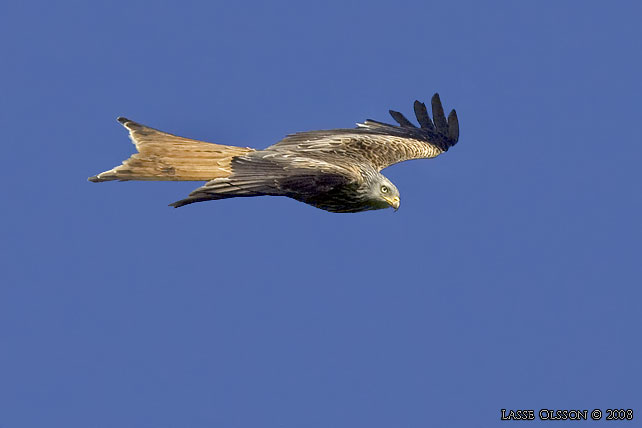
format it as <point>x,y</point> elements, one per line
<point>337,203</point>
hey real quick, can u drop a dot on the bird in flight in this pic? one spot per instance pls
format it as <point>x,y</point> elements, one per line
<point>337,170</point>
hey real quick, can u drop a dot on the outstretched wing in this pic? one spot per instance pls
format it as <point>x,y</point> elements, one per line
<point>380,144</point>
<point>277,174</point>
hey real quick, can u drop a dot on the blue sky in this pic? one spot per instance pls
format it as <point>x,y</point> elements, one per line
<point>509,278</point>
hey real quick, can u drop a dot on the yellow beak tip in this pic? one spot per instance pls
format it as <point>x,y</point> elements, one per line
<point>394,203</point>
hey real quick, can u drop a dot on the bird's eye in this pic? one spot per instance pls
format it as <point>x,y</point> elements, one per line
<point>384,189</point>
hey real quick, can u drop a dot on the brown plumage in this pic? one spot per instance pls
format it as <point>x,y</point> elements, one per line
<point>163,156</point>
<point>336,170</point>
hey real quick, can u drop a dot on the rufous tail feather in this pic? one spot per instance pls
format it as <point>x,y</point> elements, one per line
<point>166,157</point>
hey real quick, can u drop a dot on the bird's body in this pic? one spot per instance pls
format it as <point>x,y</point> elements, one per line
<point>335,170</point>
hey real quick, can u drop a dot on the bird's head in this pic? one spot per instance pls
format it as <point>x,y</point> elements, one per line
<point>382,193</point>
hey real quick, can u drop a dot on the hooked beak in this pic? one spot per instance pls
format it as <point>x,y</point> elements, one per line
<point>394,202</point>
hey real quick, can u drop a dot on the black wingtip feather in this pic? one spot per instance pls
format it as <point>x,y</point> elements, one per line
<point>422,116</point>
<point>453,126</point>
<point>438,116</point>
<point>401,119</point>
<point>440,131</point>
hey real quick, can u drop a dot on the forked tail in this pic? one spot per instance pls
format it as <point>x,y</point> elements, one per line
<point>163,156</point>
